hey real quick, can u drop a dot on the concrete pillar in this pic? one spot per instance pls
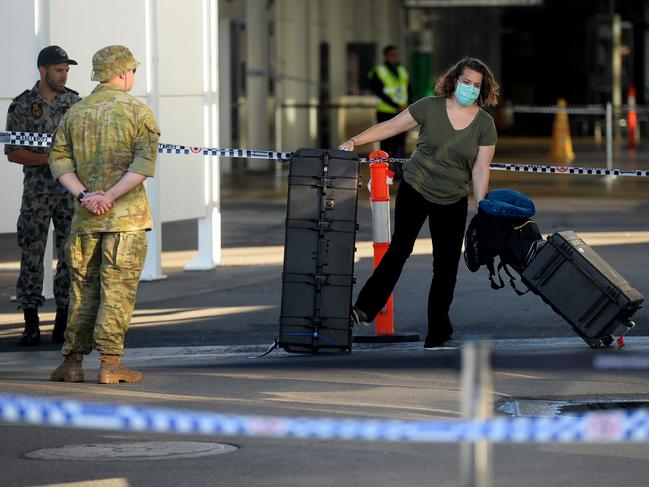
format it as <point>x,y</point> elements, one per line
<point>42,25</point>
<point>42,39</point>
<point>225,91</point>
<point>384,26</point>
<point>400,33</point>
<point>292,18</point>
<point>153,264</point>
<point>645,49</point>
<point>365,24</point>
<point>335,15</point>
<point>257,80</point>
<point>315,36</point>
<point>390,29</point>
<point>209,227</point>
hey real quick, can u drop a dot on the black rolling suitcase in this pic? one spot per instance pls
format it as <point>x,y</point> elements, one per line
<point>579,285</point>
<point>319,248</point>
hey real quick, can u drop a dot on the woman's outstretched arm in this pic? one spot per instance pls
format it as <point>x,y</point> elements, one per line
<point>400,123</point>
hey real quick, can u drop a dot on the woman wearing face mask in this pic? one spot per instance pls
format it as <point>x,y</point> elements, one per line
<point>456,144</point>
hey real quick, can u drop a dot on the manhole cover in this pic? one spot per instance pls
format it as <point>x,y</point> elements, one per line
<point>543,407</point>
<point>144,450</point>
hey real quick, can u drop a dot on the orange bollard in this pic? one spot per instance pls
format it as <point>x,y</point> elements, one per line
<point>380,201</point>
<point>561,148</point>
<point>632,118</point>
<point>380,179</point>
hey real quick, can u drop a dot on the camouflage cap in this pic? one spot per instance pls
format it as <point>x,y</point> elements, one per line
<point>111,61</point>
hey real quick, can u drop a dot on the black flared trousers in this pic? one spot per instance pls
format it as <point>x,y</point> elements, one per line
<point>446,223</point>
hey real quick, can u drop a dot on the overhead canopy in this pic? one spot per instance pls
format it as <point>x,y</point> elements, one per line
<point>470,3</point>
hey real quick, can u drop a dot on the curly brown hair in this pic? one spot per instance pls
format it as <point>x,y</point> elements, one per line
<point>489,89</point>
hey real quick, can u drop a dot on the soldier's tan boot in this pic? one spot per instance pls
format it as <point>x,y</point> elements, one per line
<point>112,371</point>
<point>70,369</point>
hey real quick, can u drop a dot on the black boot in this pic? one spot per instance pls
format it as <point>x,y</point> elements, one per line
<point>439,333</point>
<point>32,334</point>
<point>60,324</point>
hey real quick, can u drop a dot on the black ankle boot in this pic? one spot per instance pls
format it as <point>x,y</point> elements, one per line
<point>32,333</point>
<point>60,324</point>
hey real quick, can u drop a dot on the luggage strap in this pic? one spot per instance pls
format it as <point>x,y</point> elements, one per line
<point>512,279</point>
<point>272,347</point>
<point>492,274</point>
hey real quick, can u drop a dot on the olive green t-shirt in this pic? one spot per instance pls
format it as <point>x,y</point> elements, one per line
<point>440,168</point>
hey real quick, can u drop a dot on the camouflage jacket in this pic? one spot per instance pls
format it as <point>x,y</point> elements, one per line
<point>30,112</point>
<point>101,138</point>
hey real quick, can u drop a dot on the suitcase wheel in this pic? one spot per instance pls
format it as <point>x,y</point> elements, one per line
<point>607,340</point>
<point>629,324</point>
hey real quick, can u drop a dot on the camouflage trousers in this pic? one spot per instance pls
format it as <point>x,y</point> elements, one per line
<point>36,211</point>
<point>105,270</point>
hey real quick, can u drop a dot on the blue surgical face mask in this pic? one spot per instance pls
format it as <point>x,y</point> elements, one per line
<point>466,94</point>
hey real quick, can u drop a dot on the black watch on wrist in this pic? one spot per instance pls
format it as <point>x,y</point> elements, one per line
<point>82,194</point>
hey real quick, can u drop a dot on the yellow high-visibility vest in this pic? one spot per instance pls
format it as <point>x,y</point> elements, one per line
<point>396,88</point>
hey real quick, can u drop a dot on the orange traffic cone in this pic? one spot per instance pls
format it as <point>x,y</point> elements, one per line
<point>561,141</point>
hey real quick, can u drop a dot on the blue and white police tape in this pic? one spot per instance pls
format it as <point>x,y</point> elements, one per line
<point>220,152</point>
<point>595,427</point>
<point>591,171</point>
<point>30,139</point>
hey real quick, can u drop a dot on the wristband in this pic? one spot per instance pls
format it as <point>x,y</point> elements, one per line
<point>82,194</point>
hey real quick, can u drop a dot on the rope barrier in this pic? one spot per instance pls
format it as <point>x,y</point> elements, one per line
<point>595,427</point>
<point>31,139</point>
<point>572,110</point>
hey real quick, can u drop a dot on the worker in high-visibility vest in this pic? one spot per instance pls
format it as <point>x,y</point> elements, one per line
<point>457,141</point>
<point>390,82</point>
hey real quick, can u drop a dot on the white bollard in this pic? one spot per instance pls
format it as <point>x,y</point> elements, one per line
<point>609,136</point>
<point>48,264</point>
<point>477,403</point>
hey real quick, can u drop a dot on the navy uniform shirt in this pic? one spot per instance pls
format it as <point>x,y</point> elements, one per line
<point>30,112</point>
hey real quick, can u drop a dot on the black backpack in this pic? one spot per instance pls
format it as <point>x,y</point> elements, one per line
<point>514,240</point>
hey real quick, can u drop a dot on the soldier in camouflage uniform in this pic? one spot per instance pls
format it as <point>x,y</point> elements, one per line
<point>40,110</point>
<point>103,150</point>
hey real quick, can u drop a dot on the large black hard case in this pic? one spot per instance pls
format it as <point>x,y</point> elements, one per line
<point>579,285</point>
<point>319,248</point>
